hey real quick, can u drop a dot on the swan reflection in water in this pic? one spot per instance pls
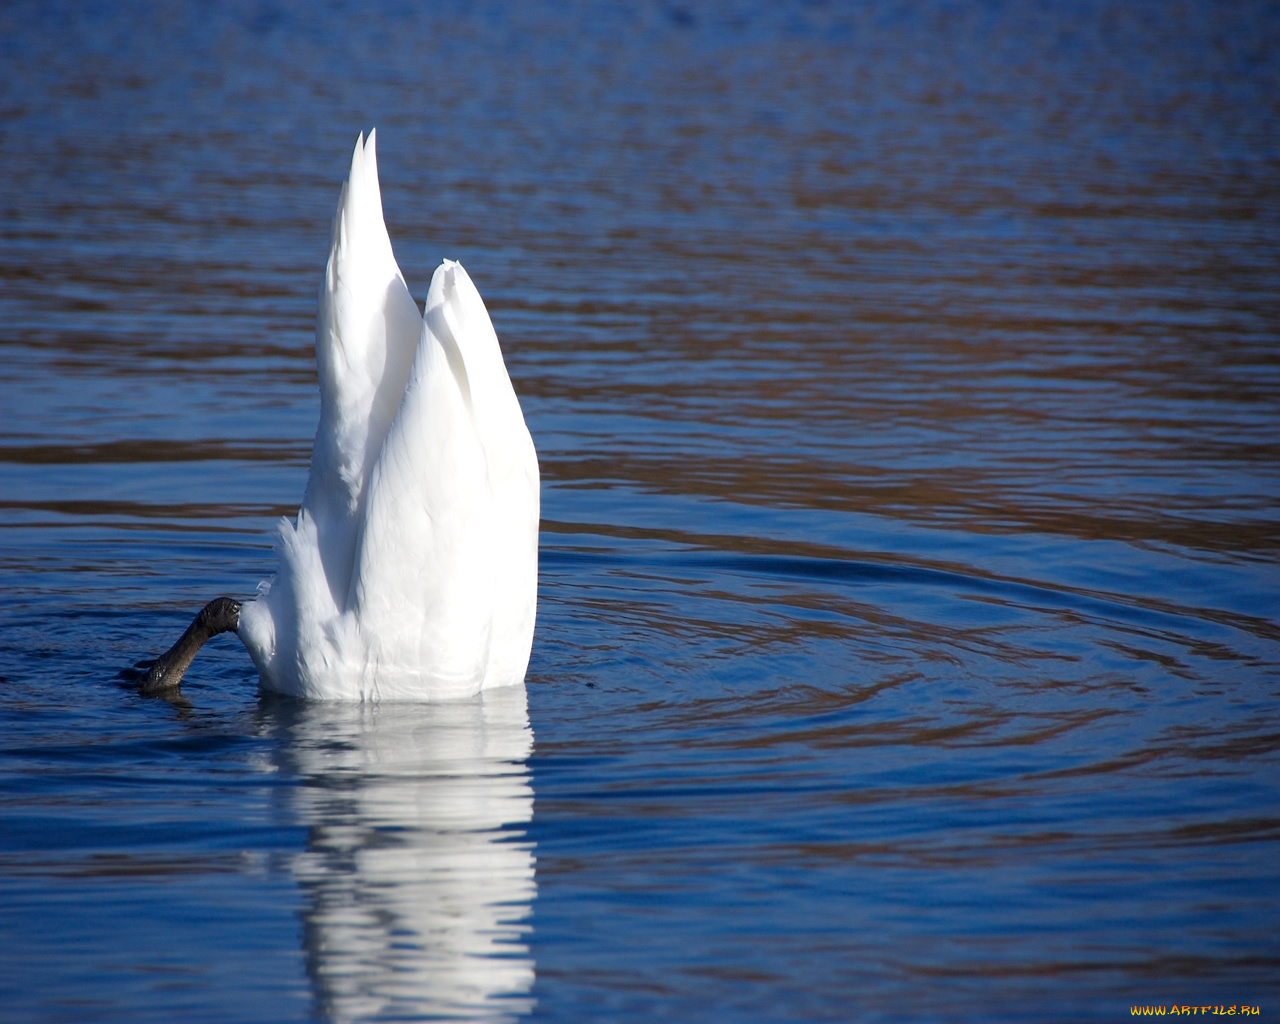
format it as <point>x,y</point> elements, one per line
<point>417,878</point>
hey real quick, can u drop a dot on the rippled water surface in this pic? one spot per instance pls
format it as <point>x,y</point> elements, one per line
<point>906,383</point>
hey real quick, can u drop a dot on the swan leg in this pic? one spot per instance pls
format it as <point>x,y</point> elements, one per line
<point>163,678</point>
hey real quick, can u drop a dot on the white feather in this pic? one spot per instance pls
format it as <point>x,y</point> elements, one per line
<point>411,571</point>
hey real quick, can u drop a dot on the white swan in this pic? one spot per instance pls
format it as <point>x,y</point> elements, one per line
<point>411,571</point>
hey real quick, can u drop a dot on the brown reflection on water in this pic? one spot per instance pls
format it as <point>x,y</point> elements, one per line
<point>129,452</point>
<point>176,514</point>
<point>975,501</point>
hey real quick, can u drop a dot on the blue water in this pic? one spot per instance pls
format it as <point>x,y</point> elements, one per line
<point>906,384</point>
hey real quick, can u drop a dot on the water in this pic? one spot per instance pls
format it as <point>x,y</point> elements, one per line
<point>906,382</point>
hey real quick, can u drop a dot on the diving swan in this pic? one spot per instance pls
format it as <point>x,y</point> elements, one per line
<point>411,572</point>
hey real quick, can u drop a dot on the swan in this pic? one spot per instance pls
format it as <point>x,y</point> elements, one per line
<point>411,570</point>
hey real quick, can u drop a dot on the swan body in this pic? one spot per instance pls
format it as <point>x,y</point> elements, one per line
<point>411,569</point>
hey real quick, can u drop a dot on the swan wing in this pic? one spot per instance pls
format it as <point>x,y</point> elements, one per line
<point>456,314</point>
<point>367,332</point>
<point>420,582</point>
<point>445,580</point>
<point>299,632</point>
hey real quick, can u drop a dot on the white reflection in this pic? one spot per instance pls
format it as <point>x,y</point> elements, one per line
<point>417,876</point>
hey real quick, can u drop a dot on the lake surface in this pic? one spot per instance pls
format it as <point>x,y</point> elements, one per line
<point>906,383</point>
